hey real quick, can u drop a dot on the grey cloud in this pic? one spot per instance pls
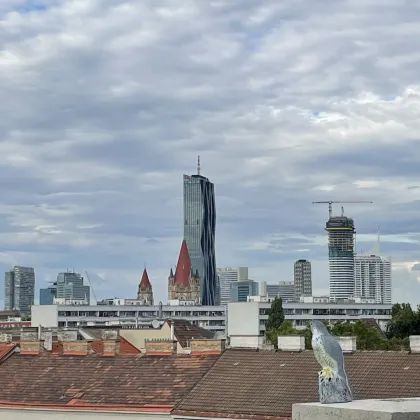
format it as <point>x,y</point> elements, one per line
<point>105,104</point>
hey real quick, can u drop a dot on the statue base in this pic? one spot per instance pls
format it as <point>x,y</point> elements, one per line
<point>333,389</point>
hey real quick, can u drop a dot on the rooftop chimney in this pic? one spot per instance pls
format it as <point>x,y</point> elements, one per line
<point>160,347</point>
<point>291,342</point>
<point>348,344</point>
<point>172,331</point>
<point>207,346</point>
<point>414,343</point>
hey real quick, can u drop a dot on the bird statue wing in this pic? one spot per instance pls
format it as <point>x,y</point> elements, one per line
<point>334,350</point>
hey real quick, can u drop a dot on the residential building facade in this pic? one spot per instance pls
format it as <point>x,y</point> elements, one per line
<point>212,318</point>
<point>302,278</point>
<point>20,289</point>
<point>240,290</point>
<point>254,315</point>
<point>199,232</point>
<point>373,278</point>
<point>227,276</point>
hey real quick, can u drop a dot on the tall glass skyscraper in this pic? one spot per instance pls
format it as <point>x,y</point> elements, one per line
<point>19,289</point>
<point>199,232</point>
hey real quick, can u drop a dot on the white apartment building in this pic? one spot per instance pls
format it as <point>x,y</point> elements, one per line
<point>228,276</point>
<point>212,318</point>
<point>249,318</point>
<point>373,278</point>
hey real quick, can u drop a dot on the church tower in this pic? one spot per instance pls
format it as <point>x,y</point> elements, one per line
<point>184,284</point>
<point>145,292</point>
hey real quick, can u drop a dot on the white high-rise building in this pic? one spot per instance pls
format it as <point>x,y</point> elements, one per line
<point>227,276</point>
<point>341,257</point>
<point>373,278</point>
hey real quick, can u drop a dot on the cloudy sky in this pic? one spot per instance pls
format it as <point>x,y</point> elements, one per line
<point>104,105</point>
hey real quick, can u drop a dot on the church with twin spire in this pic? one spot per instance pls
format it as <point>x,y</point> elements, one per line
<point>183,285</point>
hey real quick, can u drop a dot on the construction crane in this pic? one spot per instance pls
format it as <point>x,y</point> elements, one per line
<point>91,287</point>
<point>330,203</point>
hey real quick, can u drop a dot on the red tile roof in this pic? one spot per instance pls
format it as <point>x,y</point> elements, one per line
<point>128,382</point>
<point>265,384</point>
<point>6,350</point>
<point>144,282</point>
<point>183,268</point>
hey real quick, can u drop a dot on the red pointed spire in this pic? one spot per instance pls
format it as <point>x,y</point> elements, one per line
<point>183,268</point>
<point>145,282</point>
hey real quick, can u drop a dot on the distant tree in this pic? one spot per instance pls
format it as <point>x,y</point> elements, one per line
<point>287,328</point>
<point>368,338</point>
<point>274,321</point>
<point>404,321</point>
<point>275,314</point>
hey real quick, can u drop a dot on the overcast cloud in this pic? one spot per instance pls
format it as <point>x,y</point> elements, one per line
<point>104,105</point>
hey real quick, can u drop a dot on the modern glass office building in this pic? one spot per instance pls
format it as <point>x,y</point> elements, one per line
<point>199,233</point>
<point>19,289</point>
<point>70,287</point>
<point>46,296</point>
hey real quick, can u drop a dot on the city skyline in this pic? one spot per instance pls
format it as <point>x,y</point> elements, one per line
<point>100,121</point>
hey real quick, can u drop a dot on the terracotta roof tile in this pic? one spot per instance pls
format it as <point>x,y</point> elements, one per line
<point>93,379</point>
<point>267,383</point>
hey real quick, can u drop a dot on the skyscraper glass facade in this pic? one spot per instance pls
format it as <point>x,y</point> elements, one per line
<point>341,256</point>
<point>19,289</point>
<point>46,296</point>
<point>70,287</point>
<point>199,233</point>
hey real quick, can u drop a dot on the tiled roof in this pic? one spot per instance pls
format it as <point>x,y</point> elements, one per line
<point>183,268</point>
<point>6,350</point>
<point>185,331</point>
<point>266,383</point>
<point>145,282</point>
<point>129,381</point>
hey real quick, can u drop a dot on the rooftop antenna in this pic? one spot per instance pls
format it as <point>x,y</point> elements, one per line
<point>198,165</point>
<point>379,241</point>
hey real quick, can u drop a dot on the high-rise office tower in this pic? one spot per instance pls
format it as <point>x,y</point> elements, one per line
<point>373,278</point>
<point>341,256</point>
<point>70,288</point>
<point>19,289</point>
<point>228,276</point>
<point>302,278</point>
<point>199,232</point>
<point>9,290</point>
<point>240,290</point>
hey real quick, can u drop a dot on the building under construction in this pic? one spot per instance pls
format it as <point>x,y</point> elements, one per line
<point>341,235</point>
<point>341,256</point>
